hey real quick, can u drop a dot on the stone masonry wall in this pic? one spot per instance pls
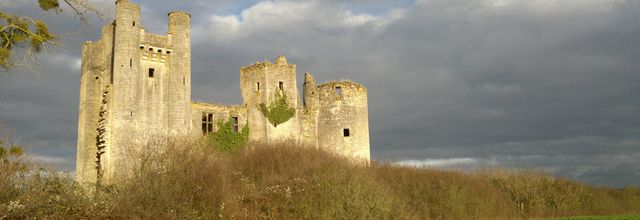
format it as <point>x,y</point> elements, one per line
<point>343,120</point>
<point>200,113</point>
<point>259,84</point>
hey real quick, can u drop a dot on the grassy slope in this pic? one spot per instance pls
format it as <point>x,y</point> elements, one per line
<point>628,217</point>
<point>284,182</point>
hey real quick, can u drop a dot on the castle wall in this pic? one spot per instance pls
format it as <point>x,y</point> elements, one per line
<point>272,78</point>
<point>200,117</point>
<point>310,111</point>
<point>94,81</point>
<point>343,105</point>
<point>155,67</point>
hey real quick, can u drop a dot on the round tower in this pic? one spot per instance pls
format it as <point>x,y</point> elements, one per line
<point>122,101</point>
<point>125,59</point>
<point>179,100</point>
<point>343,119</point>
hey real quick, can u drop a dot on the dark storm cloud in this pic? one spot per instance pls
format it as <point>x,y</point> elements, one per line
<point>544,84</point>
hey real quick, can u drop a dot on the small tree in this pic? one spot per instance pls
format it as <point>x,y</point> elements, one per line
<point>278,111</point>
<point>226,138</point>
<point>33,34</point>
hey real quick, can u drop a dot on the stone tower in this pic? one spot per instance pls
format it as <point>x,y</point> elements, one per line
<point>311,110</point>
<point>135,87</point>
<point>179,98</point>
<point>259,84</point>
<point>343,119</point>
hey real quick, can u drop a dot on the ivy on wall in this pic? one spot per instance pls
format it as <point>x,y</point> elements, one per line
<point>278,111</point>
<point>226,138</point>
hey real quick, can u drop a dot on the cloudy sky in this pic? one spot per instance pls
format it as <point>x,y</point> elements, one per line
<point>544,84</point>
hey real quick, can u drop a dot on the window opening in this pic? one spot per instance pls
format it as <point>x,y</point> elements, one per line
<point>281,85</point>
<point>207,123</point>
<point>338,90</point>
<point>134,23</point>
<point>130,62</point>
<point>235,124</point>
<point>152,72</point>
<point>257,86</point>
<point>183,81</point>
<point>346,132</point>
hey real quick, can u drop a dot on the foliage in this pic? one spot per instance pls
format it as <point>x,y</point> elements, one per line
<point>188,180</point>
<point>278,111</point>
<point>49,4</point>
<point>226,138</point>
<point>32,34</point>
<point>21,32</point>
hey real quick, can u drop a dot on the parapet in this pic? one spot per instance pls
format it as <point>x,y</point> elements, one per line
<point>343,83</point>
<point>214,105</point>
<point>178,12</point>
<point>281,61</point>
<point>342,91</point>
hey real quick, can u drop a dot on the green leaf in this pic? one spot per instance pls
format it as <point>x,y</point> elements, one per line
<point>49,4</point>
<point>5,54</point>
<point>278,111</point>
<point>226,139</point>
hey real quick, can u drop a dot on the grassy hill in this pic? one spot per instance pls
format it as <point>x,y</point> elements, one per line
<point>193,180</point>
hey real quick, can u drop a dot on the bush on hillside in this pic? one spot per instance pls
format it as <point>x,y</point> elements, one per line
<point>194,180</point>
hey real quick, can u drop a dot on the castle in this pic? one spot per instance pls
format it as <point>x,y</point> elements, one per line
<point>136,85</point>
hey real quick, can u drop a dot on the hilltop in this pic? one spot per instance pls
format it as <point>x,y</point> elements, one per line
<point>195,180</point>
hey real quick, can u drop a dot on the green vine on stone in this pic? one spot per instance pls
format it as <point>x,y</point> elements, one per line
<point>226,138</point>
<point>278,111</point>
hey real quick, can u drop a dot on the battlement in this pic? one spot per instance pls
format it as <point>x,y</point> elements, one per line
<point>155,40</point>
<point>179,12</point>
<point>214,105</point>
<point>344,83</point>
<point>280,62</point>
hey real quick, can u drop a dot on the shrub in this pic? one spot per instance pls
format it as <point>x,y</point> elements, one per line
<point>278,111</point>
<point>190,180</point>
<point>226,138</point>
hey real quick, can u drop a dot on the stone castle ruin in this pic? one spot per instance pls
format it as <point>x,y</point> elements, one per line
<point>135,85</point>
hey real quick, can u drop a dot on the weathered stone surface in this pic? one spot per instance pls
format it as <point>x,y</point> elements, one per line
<point>136,87</point>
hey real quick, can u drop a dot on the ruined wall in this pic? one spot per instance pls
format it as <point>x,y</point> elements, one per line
<point>311,110</point>
<point>259,84</point>
<point>343,120</point>
<point>200,116</point>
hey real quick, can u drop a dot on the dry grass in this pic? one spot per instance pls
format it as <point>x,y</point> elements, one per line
<point>190,180</point>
